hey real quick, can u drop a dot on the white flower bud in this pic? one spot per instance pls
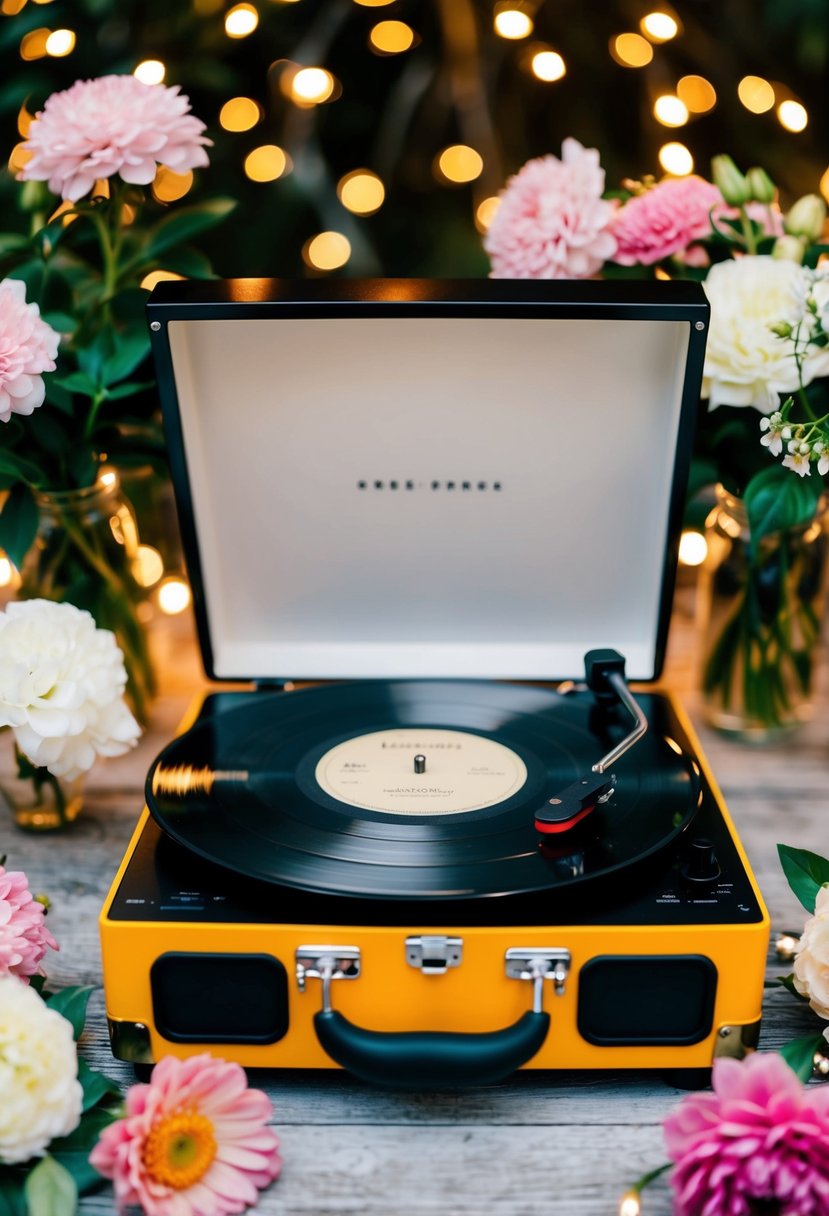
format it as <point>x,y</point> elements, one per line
<point>804,449</point>
<point>786,433</point>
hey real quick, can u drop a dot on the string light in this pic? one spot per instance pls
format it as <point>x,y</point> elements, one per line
<point>459,163</point>
<point>391,37</point>
<point>311,86</point>
<point>630,1205</point>
<point>756,94</point>
<point>631,50</point>
<point>239,114</point>
<point>670,111</point>
<point>8,574</point>
<point>24,120</point>
<point>150,71</point>
<point>327,251</point>
<point>824,185</point>
<point>158,276</point>
<point>169,186</point>
<point>148,566</point>
<point>266,163</point>
<point>792,115</point>
<point>698,94</point>
<point>173,596</point>
<point>33,44</point>
<point>10,8</point>
<point>513,23</point>
<point>241,20</point>
<point>373,3</point>
<point>60,43</point>
<point>659,26</point>
<point>361,191</point>
<point>485,212</point>
<point>20,156</point>
<point>676,159</point>
<point>548,66</point>
<point>693,548</point>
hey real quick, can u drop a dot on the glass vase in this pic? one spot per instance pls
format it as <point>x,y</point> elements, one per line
<point>760,612</point>
<point>86,553</point>
<point>38,801</point>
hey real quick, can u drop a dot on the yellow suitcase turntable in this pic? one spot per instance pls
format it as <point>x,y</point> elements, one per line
<point>451,511</point>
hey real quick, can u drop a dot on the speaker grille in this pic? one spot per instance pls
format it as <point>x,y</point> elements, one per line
<point>219,998</point>
<point>646,1000</point>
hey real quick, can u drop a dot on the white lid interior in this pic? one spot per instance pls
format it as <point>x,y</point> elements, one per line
<point>305,574</point>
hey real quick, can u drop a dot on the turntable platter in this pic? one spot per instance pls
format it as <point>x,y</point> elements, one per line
<point>414,789</point>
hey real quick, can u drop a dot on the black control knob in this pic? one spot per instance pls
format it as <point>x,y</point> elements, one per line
<point>701,868</point>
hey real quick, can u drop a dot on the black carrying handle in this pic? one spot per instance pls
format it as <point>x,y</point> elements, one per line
<point>427,1059</point>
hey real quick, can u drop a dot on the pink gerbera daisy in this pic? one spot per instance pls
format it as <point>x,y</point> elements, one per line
<point>552,222</point>
<point>28,347</point>
<point>115,124</point>
<point>759,1142</point>
<point>194,1141</point>
<point>24,937</point>
<point>664,220</point>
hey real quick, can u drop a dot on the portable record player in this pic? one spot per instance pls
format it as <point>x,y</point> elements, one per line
<point>450,512</point>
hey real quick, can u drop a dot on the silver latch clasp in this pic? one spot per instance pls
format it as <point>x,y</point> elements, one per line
<point>539,963</point>
<point>434,954</point>
<point>326,963</point>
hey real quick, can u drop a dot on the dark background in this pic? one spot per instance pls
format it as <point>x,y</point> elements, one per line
<point>459,83</point>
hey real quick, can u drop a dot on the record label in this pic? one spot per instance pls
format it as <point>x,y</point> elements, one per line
<point>460,772</point>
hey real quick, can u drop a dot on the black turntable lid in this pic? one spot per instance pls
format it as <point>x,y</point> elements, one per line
<point>316,789</point>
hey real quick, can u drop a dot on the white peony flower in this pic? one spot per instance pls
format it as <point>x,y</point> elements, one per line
<point>745,362</point>
<point>811,966</point>
<point>61,687</point>
<point>38,1074</point>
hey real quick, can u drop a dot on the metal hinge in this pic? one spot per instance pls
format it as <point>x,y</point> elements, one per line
<point>434,954</point>
<point>539,964</point>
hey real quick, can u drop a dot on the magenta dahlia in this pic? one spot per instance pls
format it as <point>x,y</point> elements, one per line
<point>115,124</point>
<point>552,222</point>
<point>24,937</point>
<point>28,347</point>
<point>758,1143</point>
<point>664,220</point>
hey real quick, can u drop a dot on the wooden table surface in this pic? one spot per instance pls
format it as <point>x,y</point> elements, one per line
<point>537,1145</point>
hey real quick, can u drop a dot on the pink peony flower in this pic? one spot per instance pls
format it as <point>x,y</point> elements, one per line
<point>24,937</point>
<point>194,1141</point>
<point>665,220</point>
<point>115,124</point>
<point>28,347</point>
<point>552,222</point>
<point>760,1141</point>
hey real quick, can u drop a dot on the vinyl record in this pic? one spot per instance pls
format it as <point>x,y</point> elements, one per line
<point>415,789</point>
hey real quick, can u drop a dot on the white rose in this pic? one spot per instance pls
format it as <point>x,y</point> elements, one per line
<point>811,966</point>
<point>41,1094</point>
<point>61,687</point>
<point>745,363</point>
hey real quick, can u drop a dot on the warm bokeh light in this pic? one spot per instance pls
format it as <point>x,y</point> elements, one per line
<point>756,94</point>
<point>548,65</point>
<point>676,159</point>
<point>485,212</point>
<point>241,20</point>
<point>631,50</point>
<point>697,93</point>
<point>148,566</point>
<point>158,276</point>
<point>24,120</point>
<point>10,8</point>
<point>7,571</point>
<point>361,191</point>
<point>312,85</point>
<point>792,115</point>
<point>659,26</point>
<point>693,548</point>
<point>266,163</point>
<point>239,114</point>
<point>513,23</point>
<point>630,1205</point>
<point>327,251</point>
<point>460,163</point>
<point>374,3</point>
<point>60,43</point>
<point>33,44</point>
<point>169,186</point>
<point>670,111</point>
<point>150,71</point>
<point>391,37</point>
<point>173,596</point>
<point>824,186</point>
<point>20,155</point>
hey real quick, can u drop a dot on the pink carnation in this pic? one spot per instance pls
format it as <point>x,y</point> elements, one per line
<point>24,937</point>
<point>760,1141</point>
<point>664,220</point>
<point>552,222</point>
<point>115,124</point>
<point>28,347</point>
<point>194,1141</point>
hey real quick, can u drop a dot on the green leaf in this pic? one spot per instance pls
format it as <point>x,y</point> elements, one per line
<point>50,1190</point>
<point>800,1053</point>
<point>11,241</point>
<point>805,872</point>
<point>190,262</point>
<point>18,523</point>
<point>73,1151</point>
<point>49,432</point>
<point>130,389</point>
<point>777,498</point>
<point>59,397</point>
<point>129,352</point>
<point>95,1085</point>
<point>185,223</point>
<point>18,466</point>
<point>787,982</point>
<point>12,1199</point>
<point>72,1003</point>
<point>61,321</point>
<point>77,382</point>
